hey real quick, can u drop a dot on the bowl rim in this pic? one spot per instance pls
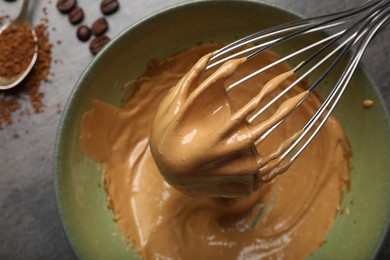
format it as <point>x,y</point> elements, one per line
<point>59,141</point>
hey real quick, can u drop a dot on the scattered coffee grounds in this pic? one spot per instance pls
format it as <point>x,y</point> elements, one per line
<point>17,48</point>
<point>76,15</point>
<point>83,33</point>
<point>58,108</point>
<point>64,6</point>
<point>15,135</point>
<point>98,43</point>
<point>99,27</point>
<point>109,6</point>
<point>11,100</point>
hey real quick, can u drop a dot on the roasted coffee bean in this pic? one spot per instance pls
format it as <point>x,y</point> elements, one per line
<point>64,6</point>
<point>83,33</point>
<point>98,43</point>
<point>100,26</point>
<point>76,15</point>
<point>109,6</point>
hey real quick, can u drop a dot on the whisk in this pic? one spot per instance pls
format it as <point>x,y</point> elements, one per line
<point>354,29</point>
<point>221,161</point>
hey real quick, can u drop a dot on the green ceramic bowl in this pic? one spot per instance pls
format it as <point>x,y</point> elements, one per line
<point>81,199</point>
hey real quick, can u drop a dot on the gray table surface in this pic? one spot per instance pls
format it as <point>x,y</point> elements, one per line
<point>30,227</point>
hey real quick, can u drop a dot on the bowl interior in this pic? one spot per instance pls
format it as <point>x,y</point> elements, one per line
<point>81,198</point>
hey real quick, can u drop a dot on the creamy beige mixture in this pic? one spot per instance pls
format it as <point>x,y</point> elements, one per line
<point>286,218</point>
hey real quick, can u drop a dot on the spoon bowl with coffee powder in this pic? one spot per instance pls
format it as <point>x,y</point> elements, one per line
<point>18,49</point>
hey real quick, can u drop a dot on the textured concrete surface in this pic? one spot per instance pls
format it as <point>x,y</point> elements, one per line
<point>29,223</point>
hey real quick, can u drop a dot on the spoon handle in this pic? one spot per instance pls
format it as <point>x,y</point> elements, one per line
<point>23,15</point>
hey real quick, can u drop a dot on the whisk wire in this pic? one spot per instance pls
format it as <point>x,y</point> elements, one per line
<point>339,88</point>
<point>231,86</point>
<point>289,26</point>
<point>318,64</point>
<point>358,26</point>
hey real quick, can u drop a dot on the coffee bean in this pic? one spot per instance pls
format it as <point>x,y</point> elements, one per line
<point>98,43</point>
<point>100,26</point>
<point>64,6</point>
<point>109,6</point>
<point>76,15</point>
<point>83,33</point>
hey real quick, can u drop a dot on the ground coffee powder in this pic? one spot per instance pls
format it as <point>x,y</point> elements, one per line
<point>11,100</point>
<point>17,48</point>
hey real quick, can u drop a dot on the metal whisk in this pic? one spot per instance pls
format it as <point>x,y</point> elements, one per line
<point>354,29</point>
